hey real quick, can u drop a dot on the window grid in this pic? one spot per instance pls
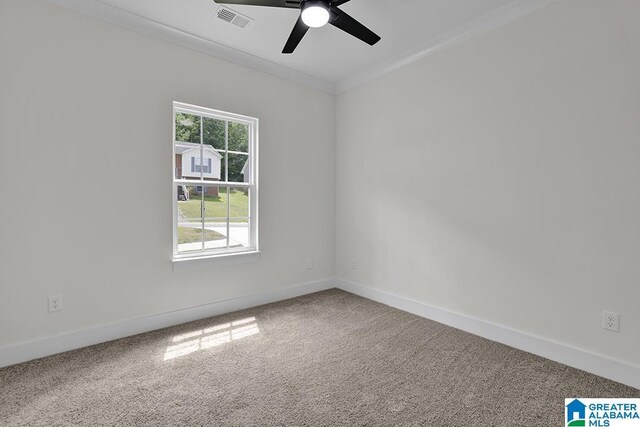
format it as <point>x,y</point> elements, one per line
<point>248,188</point>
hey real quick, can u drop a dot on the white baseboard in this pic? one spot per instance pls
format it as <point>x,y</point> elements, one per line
<point>22,352</point>
<point>562,353</point>
<point>581,359</point>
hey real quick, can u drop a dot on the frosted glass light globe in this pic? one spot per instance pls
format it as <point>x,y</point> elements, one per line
<point>315,16</point>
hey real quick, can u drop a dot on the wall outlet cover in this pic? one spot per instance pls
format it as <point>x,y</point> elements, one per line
<point>55,303</point>
<point>611,321</point>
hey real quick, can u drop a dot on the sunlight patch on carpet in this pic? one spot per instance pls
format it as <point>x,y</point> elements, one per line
<point>214,336</point>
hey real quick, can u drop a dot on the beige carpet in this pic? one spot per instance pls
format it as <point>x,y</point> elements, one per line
<point>330,359</point>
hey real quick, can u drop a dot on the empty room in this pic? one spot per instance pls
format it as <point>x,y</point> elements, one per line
<point>320,213</point>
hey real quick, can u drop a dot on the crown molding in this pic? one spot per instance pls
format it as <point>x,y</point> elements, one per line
<point>139,24</point>
<point>481,25</point>
<point>124,19</point>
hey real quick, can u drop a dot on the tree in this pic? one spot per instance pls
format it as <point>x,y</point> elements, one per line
<point>187,128</point>
<point>213,134</point>
<point>238,141</point>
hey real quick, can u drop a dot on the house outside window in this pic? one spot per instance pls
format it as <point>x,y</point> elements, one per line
<point>215,190</point>
<point>199,164</point>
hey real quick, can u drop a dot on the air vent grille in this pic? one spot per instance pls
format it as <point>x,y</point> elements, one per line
<point>226,14</point>
<point>233,17</point>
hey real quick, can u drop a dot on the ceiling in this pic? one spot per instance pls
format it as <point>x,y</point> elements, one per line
<point>327,57</point>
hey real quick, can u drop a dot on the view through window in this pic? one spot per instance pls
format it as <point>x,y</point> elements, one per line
<point>215,191</point>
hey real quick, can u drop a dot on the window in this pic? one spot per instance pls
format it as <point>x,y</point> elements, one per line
<point>200,165</point>
<point>215,190</point>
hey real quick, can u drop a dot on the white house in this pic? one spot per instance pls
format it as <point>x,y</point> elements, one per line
<point>244,171</point>
<point>193,161</point>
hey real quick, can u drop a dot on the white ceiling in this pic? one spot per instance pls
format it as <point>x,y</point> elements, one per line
<point>330,58</point>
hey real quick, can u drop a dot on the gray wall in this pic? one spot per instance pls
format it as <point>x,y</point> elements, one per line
<point>499,178</point>
<point>83,105</point>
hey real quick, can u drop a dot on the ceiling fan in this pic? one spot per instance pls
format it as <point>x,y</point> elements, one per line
<point>315,14</point>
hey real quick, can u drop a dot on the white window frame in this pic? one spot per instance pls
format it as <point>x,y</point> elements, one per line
<point>252,184</point>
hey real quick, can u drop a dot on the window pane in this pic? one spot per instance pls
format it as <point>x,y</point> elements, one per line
<point>188,160</point>
<point>239,203</point>
<point>223,166</point>
<point>238,137</point>
<point>215,202</point>
<point>187,128</point>
<point>213,133</point>
<point>215,208</point>
<point>239,232</point>
<point>238,167</point>
<point>239,217</point>
<point>178,165</point>
<point>215,218</point>
<point>212,164</point>
<point>215,233</point>
<point>189,219</point>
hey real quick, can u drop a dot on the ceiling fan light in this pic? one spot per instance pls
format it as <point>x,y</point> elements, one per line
<point>315,14</point>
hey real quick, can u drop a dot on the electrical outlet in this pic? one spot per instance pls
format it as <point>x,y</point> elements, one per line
<point>309,265</point>
<point>611,321</point>
<point>55,303</point>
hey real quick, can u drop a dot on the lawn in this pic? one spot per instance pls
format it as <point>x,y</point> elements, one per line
<point>192,235</point>
<point>216,207</point>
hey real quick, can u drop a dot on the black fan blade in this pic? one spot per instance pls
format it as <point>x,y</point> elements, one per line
<point>294,4</point>
<point>339,2</point>
<point>298,32</point>
<point>346,23</point>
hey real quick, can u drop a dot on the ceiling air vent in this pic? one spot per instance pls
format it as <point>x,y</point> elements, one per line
<point>233,17</point>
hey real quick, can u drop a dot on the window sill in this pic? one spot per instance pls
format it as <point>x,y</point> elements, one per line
<point>206,261</point>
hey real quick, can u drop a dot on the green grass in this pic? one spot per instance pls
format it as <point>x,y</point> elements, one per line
<point>216,207</point>
<point>192,235</point>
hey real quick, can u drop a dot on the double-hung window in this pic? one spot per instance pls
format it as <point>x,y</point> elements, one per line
<point>215,192</point>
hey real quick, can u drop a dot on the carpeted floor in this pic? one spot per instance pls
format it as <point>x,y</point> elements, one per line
<point>329,359</point>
